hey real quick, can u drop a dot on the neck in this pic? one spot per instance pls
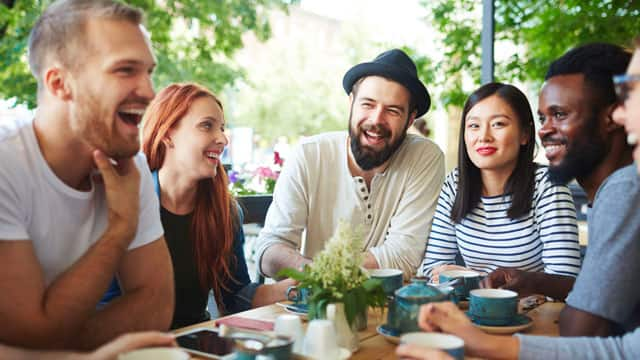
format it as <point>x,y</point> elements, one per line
<point>619,157</point>
<point>356,170</point>
<point>177,193</point>
<point>494,181</point>
<point>60,148</point>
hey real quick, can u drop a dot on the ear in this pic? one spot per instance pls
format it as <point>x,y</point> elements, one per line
<point>412,118</point>
<point>612,125</point>
<point>57,82</point>
<point>351,99</point>
<point>167,142</point>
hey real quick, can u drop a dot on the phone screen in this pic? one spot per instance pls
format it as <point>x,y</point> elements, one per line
<point>206,341</point>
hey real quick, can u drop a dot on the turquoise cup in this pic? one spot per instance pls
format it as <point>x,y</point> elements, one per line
<point>468,280</point>
<point>452,345</point>
<point>391,279</point>
<point>493,307</point>
<point>297,295</point>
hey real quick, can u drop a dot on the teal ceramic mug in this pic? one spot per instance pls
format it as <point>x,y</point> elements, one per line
<point>391,279</point>
<point>297,295</point>
<point>493,307</point>
<point>467,280</point>
<point>452,345</point>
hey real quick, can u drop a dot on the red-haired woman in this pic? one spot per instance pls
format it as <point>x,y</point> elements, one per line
<point>183,139</point>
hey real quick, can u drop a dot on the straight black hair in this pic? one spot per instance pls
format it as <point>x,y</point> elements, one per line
<point>522,180</point>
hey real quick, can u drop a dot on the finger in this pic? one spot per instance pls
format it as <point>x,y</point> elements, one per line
<point>104,165</point>
<point>145,339</point>
<point>125,166</point>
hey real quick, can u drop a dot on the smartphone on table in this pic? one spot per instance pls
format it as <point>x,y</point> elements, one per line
<point>206,343</point>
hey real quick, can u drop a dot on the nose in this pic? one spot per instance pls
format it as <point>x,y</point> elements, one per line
<point>546,128</point>
<point>376,116</point>
<point>145,87</point>
<point>222,138</point>
<point>619,115</point>
<point>484,135</point>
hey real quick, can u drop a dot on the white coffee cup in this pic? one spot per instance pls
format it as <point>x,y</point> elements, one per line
<point>159,353</point>
<point>290,325</point>
<point>452,345</point>
<point>320,341</point>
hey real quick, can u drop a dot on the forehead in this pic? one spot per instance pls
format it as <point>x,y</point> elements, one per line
<point>205,106</point>
<point>118,40</point>
<point>634,65</point>
<point>491,106</point>
<point>563,90</point>
<point>383,90</point>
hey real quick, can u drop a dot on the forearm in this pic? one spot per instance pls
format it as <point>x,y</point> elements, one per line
<point>370,261</point>
<point>553,285</point>
<point>61,310</point>
<point>269,294</point>
<point>153,309</point>
<point>7,352</point>
<point>280,256</point>
<point>494,347</point>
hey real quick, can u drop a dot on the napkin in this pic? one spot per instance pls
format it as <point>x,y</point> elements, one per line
<point>245,323</point>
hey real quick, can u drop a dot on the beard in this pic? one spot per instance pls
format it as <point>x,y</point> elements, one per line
<point>91,121</point>
<point>366,157</point>
<point>581,157</point>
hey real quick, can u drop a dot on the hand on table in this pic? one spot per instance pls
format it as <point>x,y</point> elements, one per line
<point>435,272</point>
<point>415,352</point>
<point>129,342</point>
<point>519,281</point>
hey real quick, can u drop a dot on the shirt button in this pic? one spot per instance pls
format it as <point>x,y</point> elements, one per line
<point>369,206</point>
<point>369,216</point>
<point>366,198</point>
<point>360,181</point>
<point>362,189</point>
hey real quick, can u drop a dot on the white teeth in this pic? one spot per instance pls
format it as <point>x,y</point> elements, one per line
<point>632,139</point>
<point>372,134</point>
<point>132,111</point>
<point>552,148</point>
<point>212,155</point>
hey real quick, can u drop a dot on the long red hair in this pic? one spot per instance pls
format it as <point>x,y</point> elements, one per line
<point>214,217</point>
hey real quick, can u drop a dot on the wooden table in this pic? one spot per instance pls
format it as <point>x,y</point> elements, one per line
<point>374,346</point>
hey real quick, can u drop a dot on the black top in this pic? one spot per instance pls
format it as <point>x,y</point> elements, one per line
<point>191,298</point>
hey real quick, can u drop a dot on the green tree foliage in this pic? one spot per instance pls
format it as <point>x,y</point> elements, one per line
<point>535,32</point>
<point>193,40</point>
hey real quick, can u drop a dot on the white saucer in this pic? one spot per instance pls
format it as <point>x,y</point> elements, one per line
<point>343,354</point>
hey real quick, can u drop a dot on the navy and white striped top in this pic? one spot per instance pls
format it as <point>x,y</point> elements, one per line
<point>544,239</point>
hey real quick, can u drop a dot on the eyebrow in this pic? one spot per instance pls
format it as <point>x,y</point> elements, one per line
<point>494,116</point>
<point>132,62</point>
<point>213,119</point>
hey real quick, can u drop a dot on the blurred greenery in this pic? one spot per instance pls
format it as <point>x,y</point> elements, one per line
<point>530,34</point>
<point>202,52</point>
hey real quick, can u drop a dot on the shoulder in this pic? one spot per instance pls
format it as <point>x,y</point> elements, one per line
<point>451,180</point>
<point>324,146</point>
<point>621,184</point>
<point>544,185</point>
<point>16,160</point>
<point>419,146</point>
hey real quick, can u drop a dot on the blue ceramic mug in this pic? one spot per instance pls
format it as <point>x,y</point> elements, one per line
<point>468,280</point>
<point>297,295</point>
<point>452,345</point>
<point>391,279</point>
<point>493,307</point>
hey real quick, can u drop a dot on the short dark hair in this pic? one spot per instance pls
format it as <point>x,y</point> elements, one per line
<point>598,62</point>
<point>60,28</point>
<point>413,106</point>
<point>521,181</point>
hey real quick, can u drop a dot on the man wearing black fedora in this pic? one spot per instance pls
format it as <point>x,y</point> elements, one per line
<point>375,176</point>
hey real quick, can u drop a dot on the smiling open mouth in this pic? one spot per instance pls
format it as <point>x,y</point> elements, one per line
<point>131,116</point>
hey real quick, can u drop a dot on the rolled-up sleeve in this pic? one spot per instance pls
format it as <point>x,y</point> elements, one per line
<point>288,213</point>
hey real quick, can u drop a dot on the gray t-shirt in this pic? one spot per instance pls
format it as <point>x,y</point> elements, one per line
<point>609,283</point>
<point>550,348</point>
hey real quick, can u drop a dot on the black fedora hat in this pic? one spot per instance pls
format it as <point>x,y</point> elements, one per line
<point>397,66</point>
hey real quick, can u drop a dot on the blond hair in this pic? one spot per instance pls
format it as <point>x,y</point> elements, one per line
<point>59,31</point>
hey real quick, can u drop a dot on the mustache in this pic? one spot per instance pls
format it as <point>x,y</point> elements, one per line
<point>555,140</point>
<point>377,128</point>
<point>136,100</point>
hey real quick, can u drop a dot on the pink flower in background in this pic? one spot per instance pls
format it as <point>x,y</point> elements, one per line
<point>266,172</point>
<point>277,159</point>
